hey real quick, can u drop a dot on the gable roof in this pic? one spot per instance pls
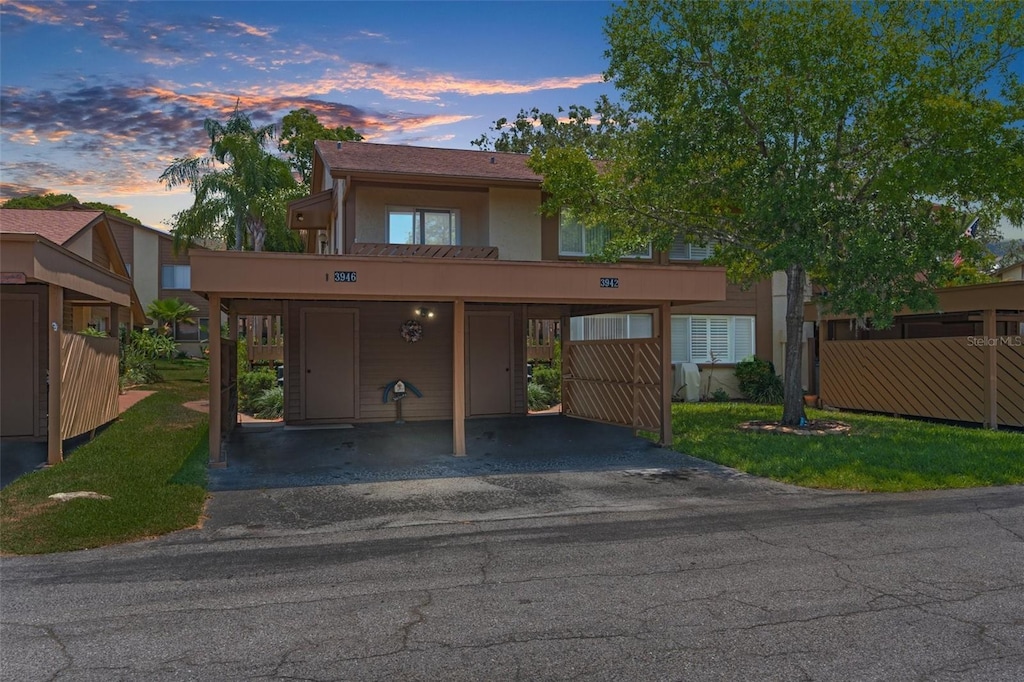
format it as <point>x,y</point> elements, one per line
<point>395,159</point>
<point>59,227</point>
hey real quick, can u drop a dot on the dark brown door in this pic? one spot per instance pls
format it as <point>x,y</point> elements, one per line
<point>19,387</point>
<point>329,364</point>
<point>489,348</point>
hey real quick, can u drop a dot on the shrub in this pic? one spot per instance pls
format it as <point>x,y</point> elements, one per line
<point>251,386</point>
<point>550,379</point>
<point>152,345</point>
<point>269,404</point>
<point>537,397</point>
<point>758,381</point>
<point>720,395</point>
<point>136,368</point>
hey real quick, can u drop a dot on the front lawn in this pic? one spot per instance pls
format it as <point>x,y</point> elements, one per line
<point>151,462</point>
<point>879,454</point>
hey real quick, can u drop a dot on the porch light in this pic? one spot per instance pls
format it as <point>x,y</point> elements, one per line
<point>424,311</point>
<point>299,217</point>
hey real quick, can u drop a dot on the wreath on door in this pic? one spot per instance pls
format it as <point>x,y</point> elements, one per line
<point>412,331</point>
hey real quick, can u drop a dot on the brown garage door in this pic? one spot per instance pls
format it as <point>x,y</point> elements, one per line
<point>615,382</point>
<point>17,367</point>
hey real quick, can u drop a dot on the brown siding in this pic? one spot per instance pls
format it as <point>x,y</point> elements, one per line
<point>99,251</point>
<point>69,317</point>
<point>168,257</point>
<point>384,357</point>
<point>549,237</point>
<point>124,236</point>
<point>40,294</point>
<point>737,302</point>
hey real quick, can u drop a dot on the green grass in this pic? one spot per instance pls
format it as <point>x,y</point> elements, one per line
<point>879,453</point>
<point>151,462</point>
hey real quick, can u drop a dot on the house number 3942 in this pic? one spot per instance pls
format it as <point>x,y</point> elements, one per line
<point>609,282</point>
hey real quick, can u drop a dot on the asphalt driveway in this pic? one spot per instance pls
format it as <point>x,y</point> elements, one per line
<point>261,456</point>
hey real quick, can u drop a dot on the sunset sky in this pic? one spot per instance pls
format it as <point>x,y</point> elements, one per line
<point>98,97</point>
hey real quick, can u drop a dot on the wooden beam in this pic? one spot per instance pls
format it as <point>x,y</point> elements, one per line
<point>459,379</point>
<point>54,332</point>
<point>665,332</point>
<point>991,364</point>
<point>216,460</point>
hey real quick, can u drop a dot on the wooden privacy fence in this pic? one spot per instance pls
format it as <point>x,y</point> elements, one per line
<point>616,382</point>
<point>88,383</point>
<point>264,338</point>
<point>941,378</point>
<point>540,340</point>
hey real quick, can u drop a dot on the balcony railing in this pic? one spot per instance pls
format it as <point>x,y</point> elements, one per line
<point>424,251</point>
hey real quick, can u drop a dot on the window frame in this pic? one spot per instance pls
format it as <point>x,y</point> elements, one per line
<point>679,243</point>
<point>175,268</point>
<point>199,336</point>
<point>708,333</point>
<point>419,233</point>
<point>564,215</point>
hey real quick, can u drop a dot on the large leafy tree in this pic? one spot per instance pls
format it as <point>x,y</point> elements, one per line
<point>534,130</point>
<point>241,190</point>
<point>843,144</point>
<point>51,200</point>
<point>300,128</point>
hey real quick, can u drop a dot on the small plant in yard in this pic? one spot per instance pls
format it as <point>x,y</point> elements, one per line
<point>550,380</point>
<point>720,395</point>
<point>269,404</point>
<point>758,381</point>
<point>537,397</point>
<point>251,385</point>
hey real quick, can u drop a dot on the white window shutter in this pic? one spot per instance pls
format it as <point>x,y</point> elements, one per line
<point>680,338</point>
<point>743,338</point>
<point>720,339</point>
<point>700,343</point>
<point>679,250</point>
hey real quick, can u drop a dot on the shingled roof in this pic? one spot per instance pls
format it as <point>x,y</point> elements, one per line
<point>393,159</point>
<point>57,226</point>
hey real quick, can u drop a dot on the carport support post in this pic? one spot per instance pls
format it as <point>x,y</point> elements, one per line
<point>54,330</point>
<point>665,331</point>
<point>215,374</point>
<point>991,361</point>
<point>459,378</point>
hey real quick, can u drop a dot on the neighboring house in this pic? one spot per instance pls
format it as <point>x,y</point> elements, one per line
<point>158,273</point>
<point>425,265</point>
<point>962,362</point>
<point>1011,273</point>
<point>61,273</point>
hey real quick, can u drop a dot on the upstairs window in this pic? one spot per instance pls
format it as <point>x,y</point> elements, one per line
<point>682,250</point>
<point>423,226</point>
<point>176,277</point>
<point>575,239</point>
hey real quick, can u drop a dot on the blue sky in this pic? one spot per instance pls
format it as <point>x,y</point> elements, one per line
<point>98,97</point>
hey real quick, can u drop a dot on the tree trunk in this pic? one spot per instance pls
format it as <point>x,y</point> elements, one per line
<point>793,405</point>
<point>238,232</point>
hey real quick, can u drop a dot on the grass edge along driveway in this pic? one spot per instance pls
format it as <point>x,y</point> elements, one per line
<point>880,454</point>
<point>151,462</point>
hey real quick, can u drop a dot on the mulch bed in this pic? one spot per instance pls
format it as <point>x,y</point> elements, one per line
<point>817,427</point>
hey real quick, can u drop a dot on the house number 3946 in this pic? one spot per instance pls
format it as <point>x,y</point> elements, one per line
<point>344,276</point>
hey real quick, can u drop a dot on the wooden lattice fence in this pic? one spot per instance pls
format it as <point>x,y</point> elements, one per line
<point>616,382</point>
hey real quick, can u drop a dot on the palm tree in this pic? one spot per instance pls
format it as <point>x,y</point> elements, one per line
<point>241,190</point>
<point>169,312</point>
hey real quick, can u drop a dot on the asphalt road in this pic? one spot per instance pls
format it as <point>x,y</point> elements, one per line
<point>694,575</point>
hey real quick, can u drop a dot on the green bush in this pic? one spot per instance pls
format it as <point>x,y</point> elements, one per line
<point>550,379</point>
<point>537,397</point>
<point>269,404</point>
<point>152,345</point>
<point>758,381</point>
<point>137,368</point>
<point>251,386</point>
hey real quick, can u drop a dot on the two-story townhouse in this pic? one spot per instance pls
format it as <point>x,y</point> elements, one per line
<point>158,272</point>
<point>61,273</point>
<point>424,265</point>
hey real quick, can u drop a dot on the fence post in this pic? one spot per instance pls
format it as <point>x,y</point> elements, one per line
<point>991,368</point>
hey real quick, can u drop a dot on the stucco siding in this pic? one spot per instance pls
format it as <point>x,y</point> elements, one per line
<point>515,223</point>
<point>372,203</point>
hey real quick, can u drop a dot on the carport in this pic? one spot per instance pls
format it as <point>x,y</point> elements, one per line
<point>343,315</point>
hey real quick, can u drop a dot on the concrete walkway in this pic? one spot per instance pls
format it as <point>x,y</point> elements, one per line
<point>281,457</point>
